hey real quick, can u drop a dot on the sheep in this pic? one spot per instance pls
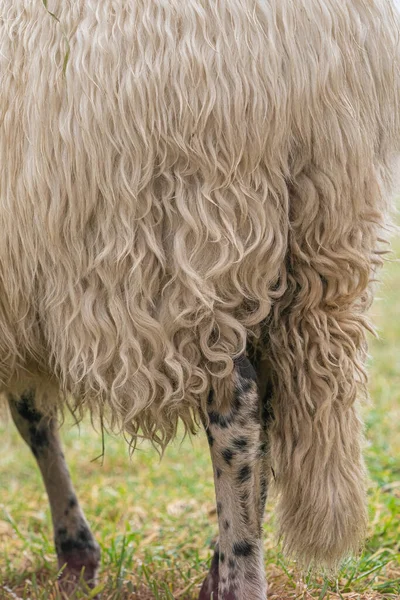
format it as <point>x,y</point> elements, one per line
<point>194,204</point>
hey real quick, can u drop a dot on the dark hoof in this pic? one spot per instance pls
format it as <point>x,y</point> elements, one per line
<point>78,570</point>
<point>209,589</point>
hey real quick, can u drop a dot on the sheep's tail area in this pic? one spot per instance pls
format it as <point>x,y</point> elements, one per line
<point>178,176</point>
<point>317,331</point>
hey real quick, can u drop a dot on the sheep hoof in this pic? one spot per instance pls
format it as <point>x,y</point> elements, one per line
<point>78,570</point>
<point>209,589</point>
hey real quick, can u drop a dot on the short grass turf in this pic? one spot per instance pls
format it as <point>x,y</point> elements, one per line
<point>156,521</point>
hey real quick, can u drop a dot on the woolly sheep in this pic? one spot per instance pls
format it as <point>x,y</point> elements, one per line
<point>194,201</point>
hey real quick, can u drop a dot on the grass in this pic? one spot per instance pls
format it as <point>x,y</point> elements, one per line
<point>155,521</point>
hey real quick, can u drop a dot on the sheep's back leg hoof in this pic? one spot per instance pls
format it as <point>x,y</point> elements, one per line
<point>78,569</point>
<point>209,590</point>
<point>78,554</point>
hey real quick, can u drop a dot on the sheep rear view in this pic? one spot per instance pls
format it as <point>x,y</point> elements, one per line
<point>194,199</point>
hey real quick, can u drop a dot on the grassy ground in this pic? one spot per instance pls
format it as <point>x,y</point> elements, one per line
<point>155,520</point>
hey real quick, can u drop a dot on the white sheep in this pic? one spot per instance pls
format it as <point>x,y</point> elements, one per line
<point>193,196</point>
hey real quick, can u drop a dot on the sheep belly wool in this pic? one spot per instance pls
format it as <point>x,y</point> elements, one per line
<point>177,177</point>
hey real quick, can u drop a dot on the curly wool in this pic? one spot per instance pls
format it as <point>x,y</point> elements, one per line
<point>175,176</point>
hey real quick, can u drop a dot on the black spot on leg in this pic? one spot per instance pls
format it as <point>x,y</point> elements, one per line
<point>226,525</point>
<point>38,437</point>
<point>243,548</point>
<point>38,428</point>
<point>26,407</point>
<point>227,455</point>
<point>219,508</point>
<point>82,539</point>
<point>217,419</point>
<point>244,474</point>
<point>240,443</point>
<point>68,545</point>
<point>72,502</point>
<point>209,437</point>
<point>224,421</point>
<point>218,472</point>
<point>85,536</point>
<point>222,557</point>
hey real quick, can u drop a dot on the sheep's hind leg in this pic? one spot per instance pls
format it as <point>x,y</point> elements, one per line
<point>76,548</point>
<point>238,450</point>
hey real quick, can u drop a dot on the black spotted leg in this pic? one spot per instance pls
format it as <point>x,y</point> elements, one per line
<point>76,548</point>
<point>237,444</point>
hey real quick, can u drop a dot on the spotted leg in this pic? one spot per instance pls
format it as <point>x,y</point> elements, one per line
<point>76,548</point>
<point>238,450</point>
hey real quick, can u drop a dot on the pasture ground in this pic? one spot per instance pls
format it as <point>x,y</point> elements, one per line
<point>155,521</point>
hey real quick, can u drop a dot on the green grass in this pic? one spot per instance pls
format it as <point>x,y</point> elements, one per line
<point>155,521</point>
